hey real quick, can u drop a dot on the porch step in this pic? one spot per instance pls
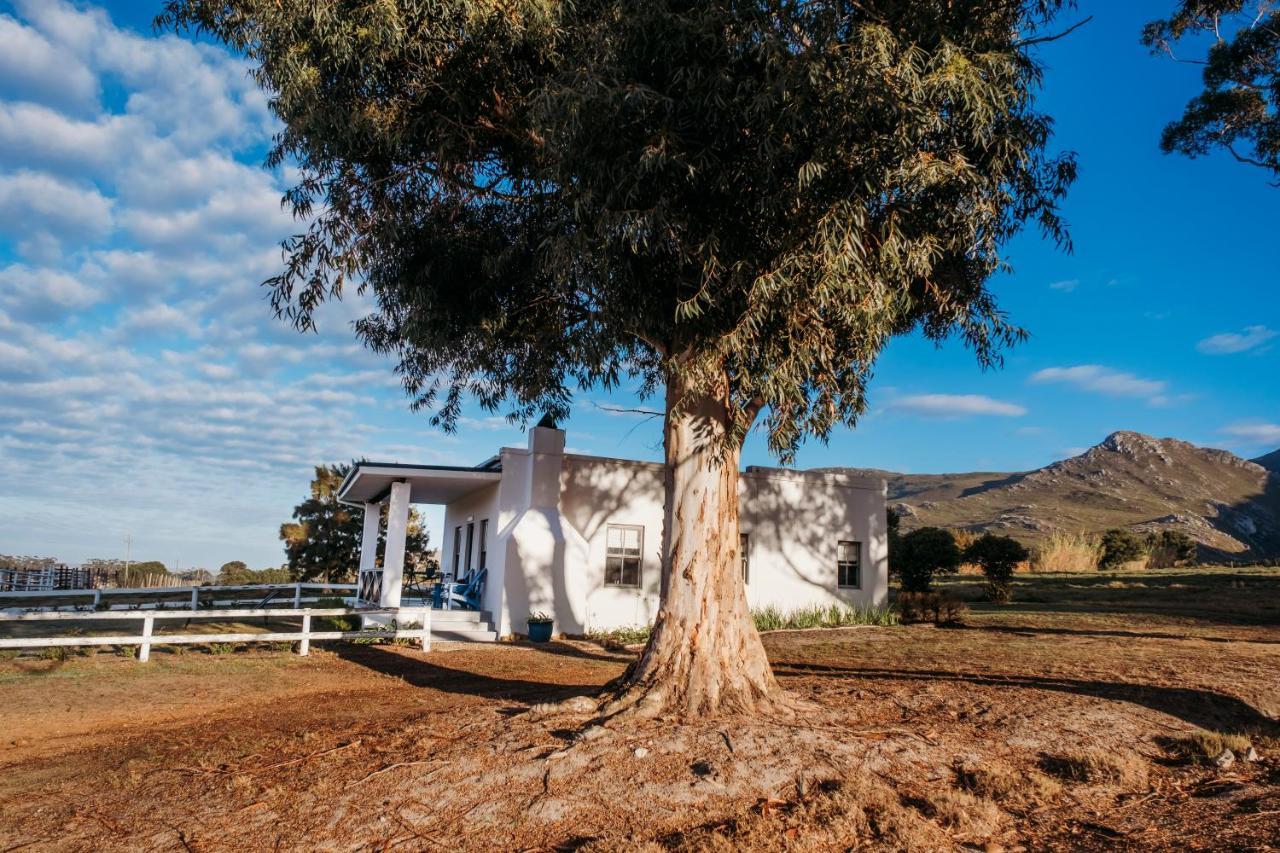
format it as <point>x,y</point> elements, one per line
<point>463,636</point>
<point>474,626</point>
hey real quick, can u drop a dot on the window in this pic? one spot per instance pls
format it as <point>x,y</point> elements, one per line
<point>457,550</point>
<point>484,548</point>
<point>744,544</point>
<point>471,538</point>
<point>622,555</point>
<point>849,564</point>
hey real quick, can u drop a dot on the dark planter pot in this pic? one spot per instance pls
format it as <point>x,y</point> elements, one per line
<point>539,632</point>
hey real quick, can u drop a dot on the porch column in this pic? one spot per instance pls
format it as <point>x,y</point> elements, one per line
<point>369,541</point>
<point>397,529</point>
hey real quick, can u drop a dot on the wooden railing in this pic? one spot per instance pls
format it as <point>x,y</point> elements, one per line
<point>148,637</point>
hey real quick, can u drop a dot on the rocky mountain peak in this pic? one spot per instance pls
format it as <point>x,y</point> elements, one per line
<point>1136,445</point>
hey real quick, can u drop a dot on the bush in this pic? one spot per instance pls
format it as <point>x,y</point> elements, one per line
<point>1170,548</point>
<point>932,607</point>
<point>1119,546</point>
<point>998,556</point>
<point>1067,552</point>
<point>923,553</point>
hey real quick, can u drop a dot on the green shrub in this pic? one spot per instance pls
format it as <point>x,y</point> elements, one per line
<point>619,637</point>
<point>935,607</point>
<point>1119,546</point>
<point>923,553</point>
<point>822,616</point>
<point>1169,548</point>
<point>998,556</point>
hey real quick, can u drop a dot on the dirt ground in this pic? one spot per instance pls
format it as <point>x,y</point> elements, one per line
<point>1050,725</point>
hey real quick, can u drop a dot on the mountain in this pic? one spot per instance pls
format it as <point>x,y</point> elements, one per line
<point>1228,504</point>
<point>1271,461</point>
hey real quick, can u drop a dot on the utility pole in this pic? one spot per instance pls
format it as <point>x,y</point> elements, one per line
<point>128,550</point>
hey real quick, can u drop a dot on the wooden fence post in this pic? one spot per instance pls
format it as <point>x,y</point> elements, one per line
<point>297,595</point>
<point>195,598</point>
<point>304,645</point>
<point>426,629</point>
<point>144,651</point>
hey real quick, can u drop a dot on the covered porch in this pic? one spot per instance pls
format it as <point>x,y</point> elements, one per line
<point>372,485</point>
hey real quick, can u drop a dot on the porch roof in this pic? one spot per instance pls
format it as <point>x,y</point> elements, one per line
<point>369,482</point>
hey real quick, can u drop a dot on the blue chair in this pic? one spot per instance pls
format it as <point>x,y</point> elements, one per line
<point>465,594</point>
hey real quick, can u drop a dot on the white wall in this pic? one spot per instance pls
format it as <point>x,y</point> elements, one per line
<point>794,521</point>
<point>597,492</point>
<point>550,514</point>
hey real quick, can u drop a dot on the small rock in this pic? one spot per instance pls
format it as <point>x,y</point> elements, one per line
<point>1250,754</point>
<point>1224,759</point>
<point>641,752</point>
<point>992,847</point>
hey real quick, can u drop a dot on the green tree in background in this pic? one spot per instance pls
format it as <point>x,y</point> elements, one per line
<point>999,557</point>
<point>923,553</point>
<point>323,541</point>
<point>738,203</point>
<point>1239,109</point>
<point>1119,546</point>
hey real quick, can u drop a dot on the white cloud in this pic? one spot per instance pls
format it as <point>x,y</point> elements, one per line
<point>1105,380</point>
<point>1229,343</point>
<point>32,202</point>
<point>1066,285</point>
<point>34,67</point>
<point>41,294</point>
<point>1255,434</point>
<point>955,405</point>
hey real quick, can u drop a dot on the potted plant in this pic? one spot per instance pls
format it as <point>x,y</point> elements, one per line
<point>540,627</point>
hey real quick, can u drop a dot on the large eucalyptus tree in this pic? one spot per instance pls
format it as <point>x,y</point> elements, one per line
<point>737,201</point>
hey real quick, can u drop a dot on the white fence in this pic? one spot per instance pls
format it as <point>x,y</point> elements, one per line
<point>191,596</point>
<point>148,637</point>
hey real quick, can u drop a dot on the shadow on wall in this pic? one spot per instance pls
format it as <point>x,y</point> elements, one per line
<point>539,544</point>
<point>804,529</point>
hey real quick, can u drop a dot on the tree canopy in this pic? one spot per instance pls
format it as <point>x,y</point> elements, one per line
<point>1239,109</point>
<point>323,541</point>
<point>751,197</point>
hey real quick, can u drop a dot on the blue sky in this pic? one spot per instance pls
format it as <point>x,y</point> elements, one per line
<point>145,389</point>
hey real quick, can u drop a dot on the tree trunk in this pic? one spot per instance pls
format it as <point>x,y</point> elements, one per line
<point>704,656</point>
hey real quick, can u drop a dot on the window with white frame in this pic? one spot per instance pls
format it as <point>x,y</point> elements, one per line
<point>484,545</point>
<point>849,564</point>
<point>457,551</point>
<point>744,543</point>
<point>623,546</point>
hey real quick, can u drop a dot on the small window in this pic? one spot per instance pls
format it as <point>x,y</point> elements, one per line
<point>849,564</point>
<point>622,555</point>
<point>457,550</point>
<point>484,548</point>
<point>744,545</point>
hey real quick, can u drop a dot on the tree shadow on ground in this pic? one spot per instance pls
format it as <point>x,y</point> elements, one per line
<point>1204,709</point>
<point>1030,630</point>
<point>420,672</point>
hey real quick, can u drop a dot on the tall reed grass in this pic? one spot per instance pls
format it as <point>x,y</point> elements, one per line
<point>1067,552</point>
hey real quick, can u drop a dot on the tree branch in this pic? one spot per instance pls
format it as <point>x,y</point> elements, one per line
<point>1043,39</point>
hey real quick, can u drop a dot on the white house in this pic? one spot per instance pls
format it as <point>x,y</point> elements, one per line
<point>579,537</point>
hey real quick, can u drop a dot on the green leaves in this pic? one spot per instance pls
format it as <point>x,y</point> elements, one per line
<point>1239,109</point>
<point>544,195</point>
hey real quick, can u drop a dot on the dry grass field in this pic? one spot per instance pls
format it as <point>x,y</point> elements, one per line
<point>1082,716</point>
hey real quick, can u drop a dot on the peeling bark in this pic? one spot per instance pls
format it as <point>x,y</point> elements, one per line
<point>704,656</point>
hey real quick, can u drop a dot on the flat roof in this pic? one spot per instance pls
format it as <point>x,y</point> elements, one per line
<point>370,482</point>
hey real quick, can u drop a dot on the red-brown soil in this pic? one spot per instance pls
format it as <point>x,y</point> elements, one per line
<point>384,747</point>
